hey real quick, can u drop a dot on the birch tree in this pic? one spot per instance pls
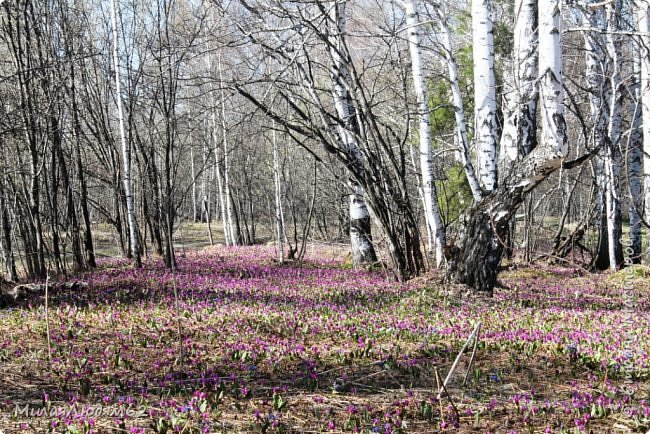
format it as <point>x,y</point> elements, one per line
<point>226,196</point>
<point>436,231</point>
<point>478,254</point>
<point>126,148</point>
<point>519,135</point>
<point>216,139</point>
<point>221,191</point>
<point>277,181</point>
<point>485,105</point>
<point>551,83</point>
<point>363,251</point>
<point>613,156</point>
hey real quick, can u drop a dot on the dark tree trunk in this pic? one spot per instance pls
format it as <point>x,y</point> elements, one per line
<point>117,221</point>
<point>601,260</point>
<point>71,213</point>
<point>9,261</point>
<point>238,234</point>
<point>479,255</point>
<point>88,243</point>
<point>52,194</point>
<point>475,260</point>
<point>360,230</point>
<point>88,234</point>
<point>239,210</point>
<point>29,246</point>
<point>170,256</point>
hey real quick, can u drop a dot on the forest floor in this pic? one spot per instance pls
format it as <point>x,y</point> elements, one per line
<point>250,345</point>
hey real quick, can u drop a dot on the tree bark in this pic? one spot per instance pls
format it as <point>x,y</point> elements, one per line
<point>643,18</point>
<point>363,251</point>
<point>232,237</point>
<point>485,104</point>
<point>613,155</point>
<point>599,88</point>
<point>435,227</point>
<point>635,169</point>
<point>89,247</point>
<point>519,135</point>
<point>5,241</point>
<point>277,180</point>
<point>126,149</point>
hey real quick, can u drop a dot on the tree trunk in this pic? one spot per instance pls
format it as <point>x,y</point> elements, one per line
<point>236,233</point>
<point>599,103</point>
<point>83,186</point>
<point>52,193</point>
<point>363,251</point>
<point>485,104</point>
<point>613,160</point>
<point>126,149</point>
<point>435,228</point>
<point>643,18</point>
<point>72,222</point>
<point>229,223</point>
<point>221,193</point>
<point>5,241</point>
<point>277,180</point>
<point>519,135</point>
<point>195,207</point>
<point>635,170</point>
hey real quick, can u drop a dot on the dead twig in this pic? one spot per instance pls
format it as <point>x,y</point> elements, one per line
<point>460,353</point>
<point>471,359</point>
<point>47,320</point>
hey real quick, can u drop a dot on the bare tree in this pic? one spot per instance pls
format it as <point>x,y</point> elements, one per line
<point>126,148</point>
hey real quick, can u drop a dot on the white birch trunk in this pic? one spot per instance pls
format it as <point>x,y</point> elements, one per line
<point>279,224</point>
<point>421,197</point>
<point>550,71</point>
<point>457,99</point>
<point>519,134</point>
<point>205,201</point>
<point>226,168</point>
<point>195,208</point>
<point>485,105</point>
<point>220,187</point>
<point>126,148</point>
<point>643,18</point>
<point>613,161</point>
<point>435,227</point>
<point>360,240</point>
